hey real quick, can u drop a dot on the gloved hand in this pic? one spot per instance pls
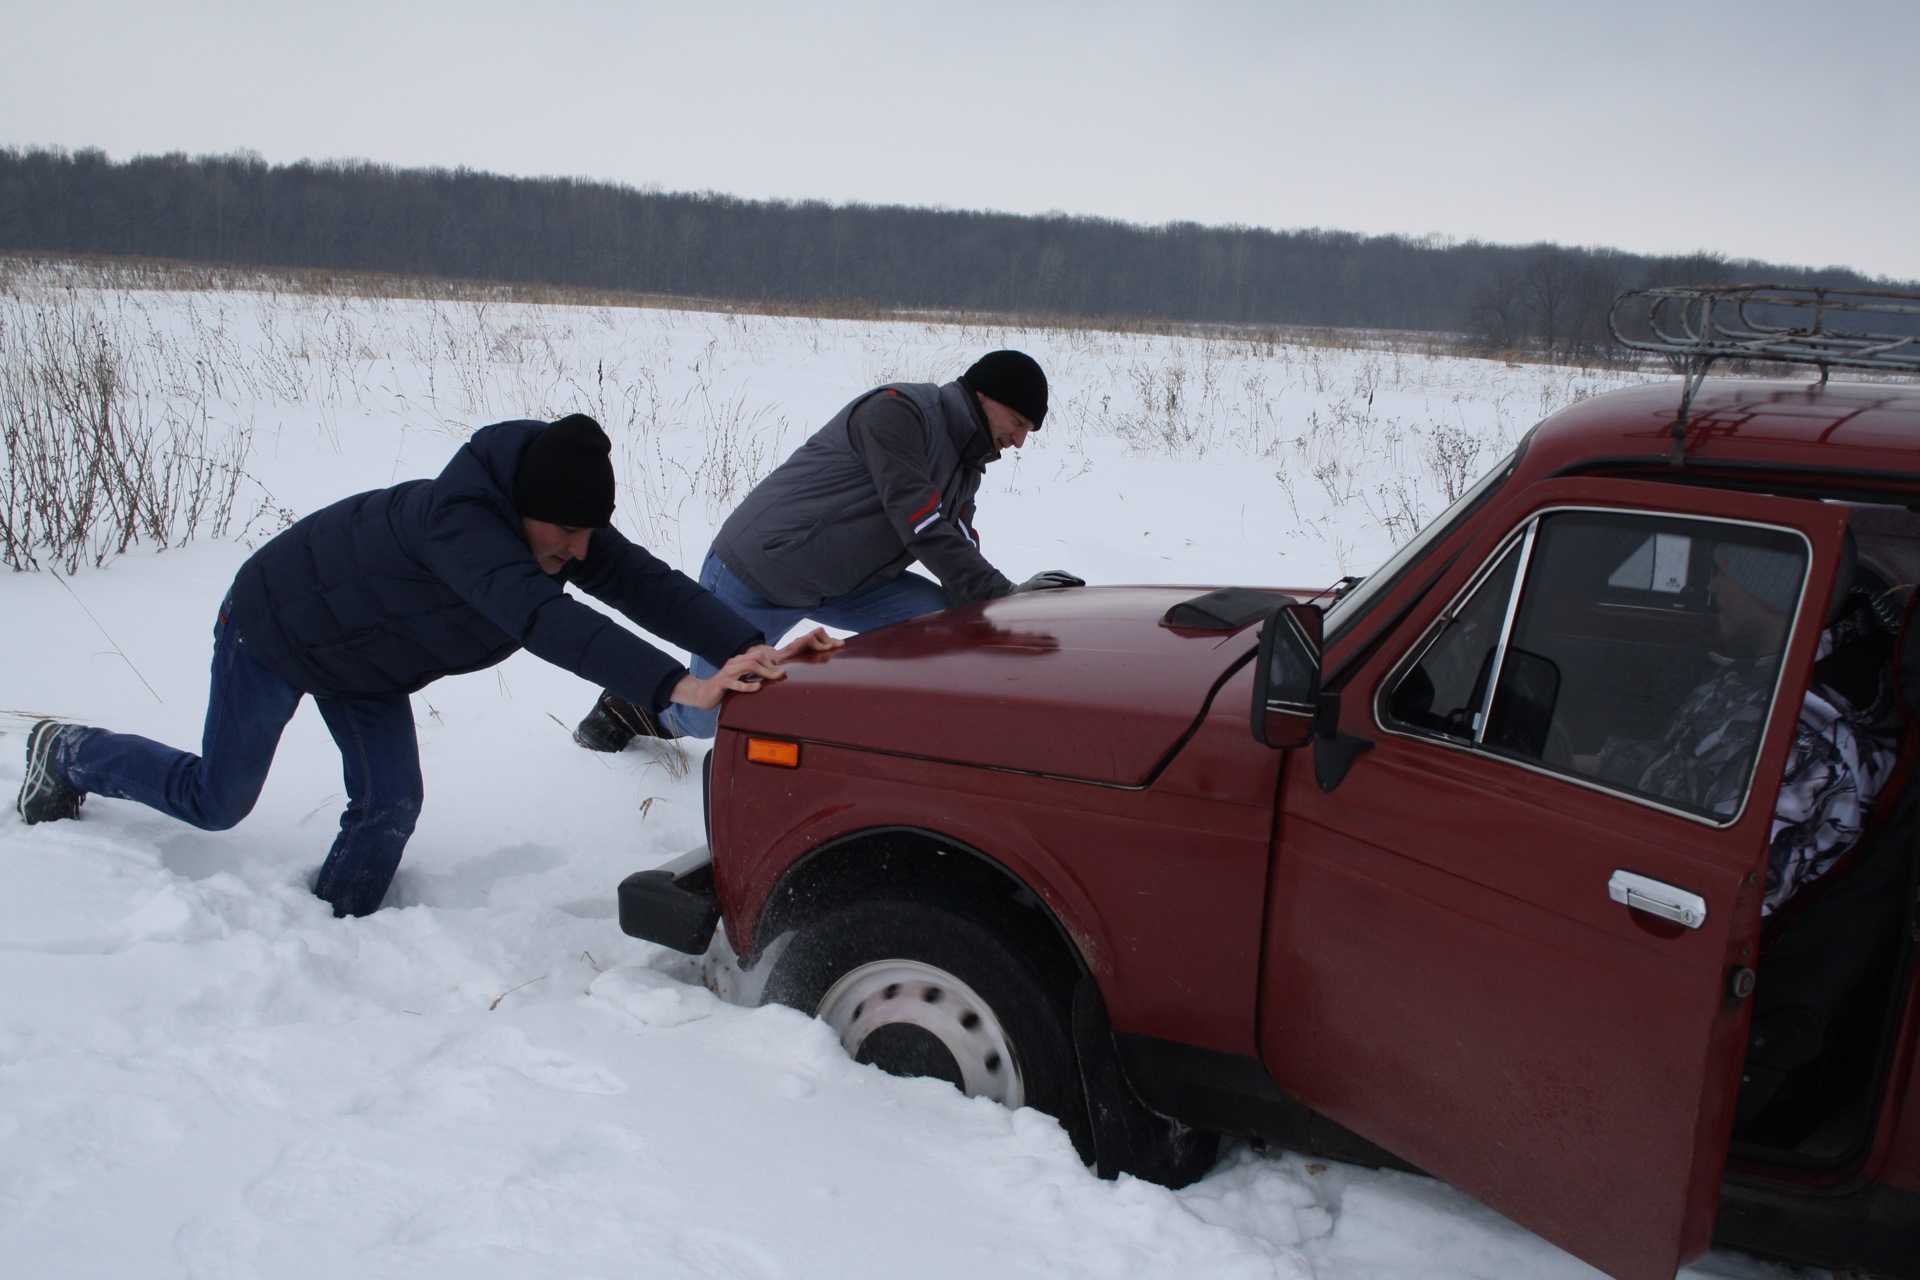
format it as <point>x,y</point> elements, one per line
<point>1050,580</point>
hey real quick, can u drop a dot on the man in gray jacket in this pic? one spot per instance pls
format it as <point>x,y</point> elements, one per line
<point>829,535</point>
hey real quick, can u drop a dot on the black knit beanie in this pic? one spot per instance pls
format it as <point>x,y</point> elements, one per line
<point>566,475</point>
<point>1014,379</point>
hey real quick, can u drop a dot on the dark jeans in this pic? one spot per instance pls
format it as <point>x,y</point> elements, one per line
<point>247,708</point>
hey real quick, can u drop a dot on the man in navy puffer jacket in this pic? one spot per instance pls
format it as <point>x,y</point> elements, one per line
<point>367,600</point>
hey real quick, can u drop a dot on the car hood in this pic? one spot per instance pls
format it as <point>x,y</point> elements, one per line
<point>1084,683</point>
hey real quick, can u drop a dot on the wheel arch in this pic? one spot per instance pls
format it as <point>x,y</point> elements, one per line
<point>914,863</point>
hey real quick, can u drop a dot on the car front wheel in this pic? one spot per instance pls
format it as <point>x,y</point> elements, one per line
<point>918,989</point>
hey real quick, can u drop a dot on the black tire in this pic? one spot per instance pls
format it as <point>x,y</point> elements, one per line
<point>920,989</point>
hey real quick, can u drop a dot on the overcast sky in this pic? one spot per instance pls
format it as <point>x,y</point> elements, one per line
<point>1772,129</point>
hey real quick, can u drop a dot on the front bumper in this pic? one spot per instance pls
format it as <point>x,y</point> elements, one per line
<point>674,904</point>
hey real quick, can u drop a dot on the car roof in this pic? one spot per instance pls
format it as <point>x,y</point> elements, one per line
<point>1759,425</point>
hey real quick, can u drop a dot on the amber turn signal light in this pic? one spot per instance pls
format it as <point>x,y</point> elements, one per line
<point>769,751</point>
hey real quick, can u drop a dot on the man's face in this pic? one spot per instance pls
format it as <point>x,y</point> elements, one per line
<point>555,544</point>
<point>1009,429</point>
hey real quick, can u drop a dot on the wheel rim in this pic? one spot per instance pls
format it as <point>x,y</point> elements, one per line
<point>936,1009</point>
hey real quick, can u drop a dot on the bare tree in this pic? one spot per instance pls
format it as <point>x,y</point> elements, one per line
<point>1601,278</point>
<point>1496,319</point>
<point>1547,287</point>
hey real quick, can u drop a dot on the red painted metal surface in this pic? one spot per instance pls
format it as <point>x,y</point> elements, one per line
<point>1448,976</point>
<point>1864,426</point>
<point>1178,951</point>
<point>1427,954</point>
<point>1084,684</point>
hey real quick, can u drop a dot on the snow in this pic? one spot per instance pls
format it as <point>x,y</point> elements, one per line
<point>203,1074</point>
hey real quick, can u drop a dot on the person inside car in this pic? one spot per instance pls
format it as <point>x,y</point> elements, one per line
<point>1843,748</point>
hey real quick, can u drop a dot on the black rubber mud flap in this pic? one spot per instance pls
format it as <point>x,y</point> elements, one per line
<point>674,905</point>
<point>1128,1136</point>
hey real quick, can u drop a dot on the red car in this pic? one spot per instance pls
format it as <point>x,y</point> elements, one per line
<point>1366,876</point>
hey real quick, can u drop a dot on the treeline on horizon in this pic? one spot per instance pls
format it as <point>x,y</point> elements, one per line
<point>354,215</point>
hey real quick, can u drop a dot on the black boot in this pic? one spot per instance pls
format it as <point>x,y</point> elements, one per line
<point>614,722</point>
<point>43,797</point>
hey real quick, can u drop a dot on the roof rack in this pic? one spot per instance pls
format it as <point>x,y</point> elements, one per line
<point>1695,325</point>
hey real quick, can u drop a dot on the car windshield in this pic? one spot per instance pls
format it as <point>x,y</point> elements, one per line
<point>1355,603</point>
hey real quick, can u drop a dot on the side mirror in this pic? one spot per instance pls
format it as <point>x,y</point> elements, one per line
<point>1286,679</point>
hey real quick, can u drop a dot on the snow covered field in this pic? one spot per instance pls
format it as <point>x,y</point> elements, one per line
<point>204,1074</point>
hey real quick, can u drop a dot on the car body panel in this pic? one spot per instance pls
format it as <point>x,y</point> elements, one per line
<point>1419,945</point>
<point>1441,925</point>
<point>1808,426</point>
<point>1082,684</point>
<point>1177,954</point>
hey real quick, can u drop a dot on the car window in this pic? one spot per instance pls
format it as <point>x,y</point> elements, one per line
<point>1607,645</point>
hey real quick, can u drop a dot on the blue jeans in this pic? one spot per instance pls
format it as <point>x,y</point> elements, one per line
<point>247,709</point>
<point>907,596</point>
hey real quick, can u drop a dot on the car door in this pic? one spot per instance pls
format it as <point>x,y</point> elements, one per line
<point>1505,947</point>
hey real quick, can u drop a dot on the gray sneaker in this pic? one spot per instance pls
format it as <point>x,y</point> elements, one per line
<point>43,797</point>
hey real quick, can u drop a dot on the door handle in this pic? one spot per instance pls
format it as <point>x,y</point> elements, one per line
<point>1656,899</point>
